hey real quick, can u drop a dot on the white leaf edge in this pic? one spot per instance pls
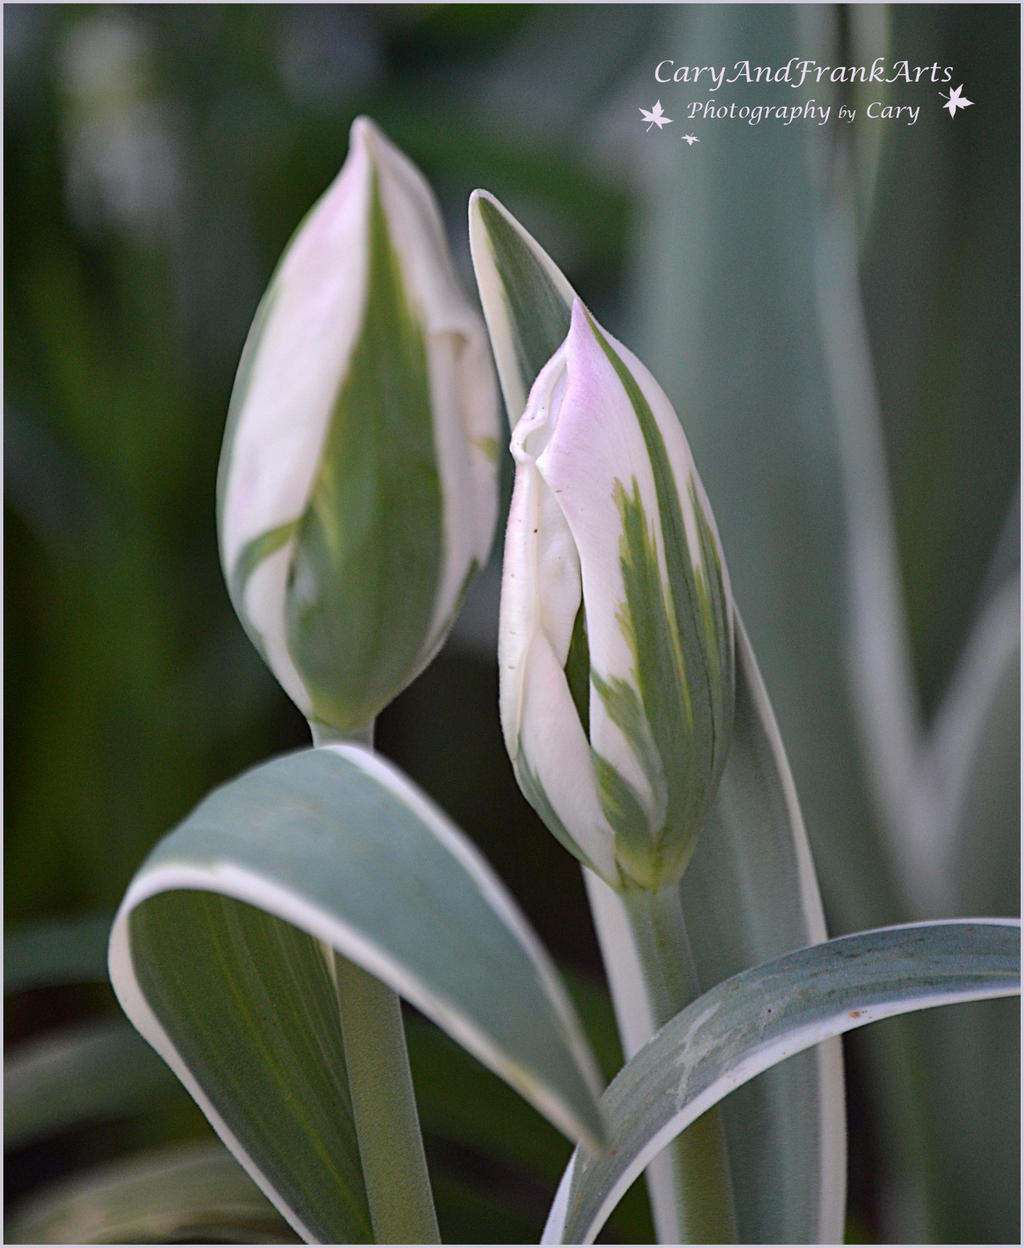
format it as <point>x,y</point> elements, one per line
<point>240,883</point>
<point>634,1014</point>
<point>750,1064</point>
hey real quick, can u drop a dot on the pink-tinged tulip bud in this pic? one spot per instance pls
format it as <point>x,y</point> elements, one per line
<point>358,480</point>
<point>616,638</point>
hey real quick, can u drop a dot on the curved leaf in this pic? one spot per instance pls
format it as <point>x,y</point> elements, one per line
<point>970,783</point>
<point>190,1194</point>
<point>750,894</point>
<point>217,957</point>
<point>763,1016</point>
<point>91,1072</point>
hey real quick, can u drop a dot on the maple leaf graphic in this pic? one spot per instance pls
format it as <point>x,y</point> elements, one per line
<point>955,100</point>
<point>655,117</point>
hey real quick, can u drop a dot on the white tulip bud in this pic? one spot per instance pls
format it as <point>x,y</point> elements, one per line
<point>616,638</point>
<point>358,480</point>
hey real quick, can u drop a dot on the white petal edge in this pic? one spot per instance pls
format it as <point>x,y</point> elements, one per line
<point>263,597</point>
<point>540,597</point>
<point>319,292</point>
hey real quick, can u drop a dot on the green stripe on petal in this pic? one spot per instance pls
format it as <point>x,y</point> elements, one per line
<point>367,561</point>
<point>679,636</point>
<point>624,810</point>
<point>537,309</point>
<point>577,667</point>
<point>660,673</point>
<point>679,558</point>
<point>249,559</point>
<point>626,711</point>
<point>536,795</point>
<point>490,447</point>
<point>715,610</point>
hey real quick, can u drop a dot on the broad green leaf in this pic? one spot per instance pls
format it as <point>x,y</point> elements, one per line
<point>974,762</point>
<point>240,1005</point>
<point>190,1194</point>
<point>216,956</point>
<point>763,1016</point>
<point>972,784</point>
<point>91,1072</point>
<point>750,892</point>
<point>945,323</point>
<point>871,636</point>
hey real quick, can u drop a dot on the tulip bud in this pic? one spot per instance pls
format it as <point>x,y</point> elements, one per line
<point>358,480</point>
<point>616,637</point>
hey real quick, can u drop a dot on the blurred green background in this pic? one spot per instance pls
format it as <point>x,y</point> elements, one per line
<point>157,159</point>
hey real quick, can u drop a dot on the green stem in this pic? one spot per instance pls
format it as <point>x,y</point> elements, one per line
<point>696,1164</point>
<point>324,734</point>
<point>384,1109</point>
<point>380,1085</point>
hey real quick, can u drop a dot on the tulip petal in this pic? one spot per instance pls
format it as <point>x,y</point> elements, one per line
<point>541,596</point>
<point>525,297</point>
<point>463,389</point>
<point>297,350</point>
<point>608,458</point>
<point>368,553</point>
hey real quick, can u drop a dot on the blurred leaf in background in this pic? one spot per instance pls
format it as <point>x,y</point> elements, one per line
<point>157,159</point>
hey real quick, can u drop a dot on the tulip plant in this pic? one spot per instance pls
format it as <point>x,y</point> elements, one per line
<point>263,947</point>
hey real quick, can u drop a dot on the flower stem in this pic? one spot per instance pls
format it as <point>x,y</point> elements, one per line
<point>384,1109</point>
<point>690,1184</point>
<point>380,1085</point>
